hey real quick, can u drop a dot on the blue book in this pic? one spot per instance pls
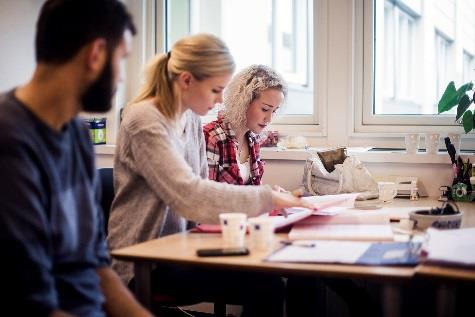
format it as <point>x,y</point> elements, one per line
<point>347,252</point>
<point>393,253</point>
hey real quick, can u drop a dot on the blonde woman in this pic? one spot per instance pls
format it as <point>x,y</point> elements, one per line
<point>160,167</point>
<point>232,141</point>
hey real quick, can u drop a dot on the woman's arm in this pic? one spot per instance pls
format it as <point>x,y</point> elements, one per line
<point>158,160</point>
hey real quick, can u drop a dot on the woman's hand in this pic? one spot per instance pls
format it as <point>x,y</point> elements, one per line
<point>281,200</point>
<point>299,192</point>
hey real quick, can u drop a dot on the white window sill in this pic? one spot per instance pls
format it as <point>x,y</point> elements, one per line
<point>361,153</point>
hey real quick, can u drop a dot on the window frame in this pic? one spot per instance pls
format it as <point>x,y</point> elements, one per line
<point>468,67</point>
<point>308,125</point>
<point>365,121</point>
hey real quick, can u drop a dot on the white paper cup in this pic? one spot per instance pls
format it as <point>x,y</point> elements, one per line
<point>432,143</point>
<point>387,191</point>
<point>412,143</point>
<point>455,140</point>
<point>261,232</point>
<point>233,228</point>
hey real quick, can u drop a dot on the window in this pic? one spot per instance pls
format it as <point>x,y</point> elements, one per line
<point>407,51</point>
<point>397,63</point>
<point>442,46</point>
<point>278,33</point>
<point>468,67</point>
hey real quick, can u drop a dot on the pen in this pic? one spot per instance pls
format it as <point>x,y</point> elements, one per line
<point>303,244</point>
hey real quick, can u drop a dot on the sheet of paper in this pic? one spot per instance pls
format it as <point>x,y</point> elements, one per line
<point>328,204</point>
<point>341,232</point>
<point>344,215</point>
<point>327,201</point>
<point>322,252</point>
<point>330,211</point>
<point>349,216</point>
<point>452,246</point>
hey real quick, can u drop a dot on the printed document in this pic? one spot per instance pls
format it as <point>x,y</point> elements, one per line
<point>454,246</point>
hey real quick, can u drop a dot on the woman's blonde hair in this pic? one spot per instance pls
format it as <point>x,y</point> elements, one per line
<point>244,88</point>
<point>203,55</point>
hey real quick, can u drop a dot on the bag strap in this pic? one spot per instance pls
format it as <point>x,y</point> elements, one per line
<point>309,178</point>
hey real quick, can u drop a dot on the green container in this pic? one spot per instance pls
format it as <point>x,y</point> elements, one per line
<point>97,130</point>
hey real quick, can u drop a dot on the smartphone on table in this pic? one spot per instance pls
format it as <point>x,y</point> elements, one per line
<point>223,251</point>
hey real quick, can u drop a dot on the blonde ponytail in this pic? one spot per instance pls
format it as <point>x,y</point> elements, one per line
<point>203,55</point>
<point>157,85</point>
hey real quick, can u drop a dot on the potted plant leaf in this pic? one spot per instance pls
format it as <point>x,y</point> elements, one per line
<point>462,98</point>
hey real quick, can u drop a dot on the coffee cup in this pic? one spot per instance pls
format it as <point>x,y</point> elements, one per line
<point>261,232</point>
<point>432,143</point>
<point>412,143</point>
<point>387,191</point>
<point>233,228</point>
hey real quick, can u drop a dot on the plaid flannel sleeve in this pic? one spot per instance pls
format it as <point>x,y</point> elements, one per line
<point>212,155</point>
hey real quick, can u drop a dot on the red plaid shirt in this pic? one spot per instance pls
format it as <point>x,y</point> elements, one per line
<point>221,148</point>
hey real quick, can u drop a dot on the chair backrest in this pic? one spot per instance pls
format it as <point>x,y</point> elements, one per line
<point>107,186</point>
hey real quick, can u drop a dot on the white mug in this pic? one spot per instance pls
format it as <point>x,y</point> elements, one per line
<point>412,143</point>
<point>233,227</point>
<point>432,143</point>
<point>387,191</point>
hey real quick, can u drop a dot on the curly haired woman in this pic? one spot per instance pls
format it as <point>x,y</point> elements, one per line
<point>232,141</point>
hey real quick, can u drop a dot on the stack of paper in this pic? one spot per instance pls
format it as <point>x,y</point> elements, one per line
<point>455,246</point>
<point>349,216</point>
<point>349,232</point>
<point>357,216</point>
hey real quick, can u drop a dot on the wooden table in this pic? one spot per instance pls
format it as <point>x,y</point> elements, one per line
<point>180,249</point>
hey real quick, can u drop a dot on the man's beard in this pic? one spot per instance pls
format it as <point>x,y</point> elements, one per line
<point>98,97</point>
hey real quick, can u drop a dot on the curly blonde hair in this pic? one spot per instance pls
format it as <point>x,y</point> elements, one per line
<point>244,88</point>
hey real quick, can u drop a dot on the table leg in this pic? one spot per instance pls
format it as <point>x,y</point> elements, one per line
<point>446,300</point>
<point>391,300</point>
<point>143,287</point>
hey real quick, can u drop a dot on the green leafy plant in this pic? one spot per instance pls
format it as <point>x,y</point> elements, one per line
<point>461,98</point>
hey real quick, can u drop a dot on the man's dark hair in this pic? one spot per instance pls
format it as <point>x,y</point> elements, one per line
<point>65,26</point>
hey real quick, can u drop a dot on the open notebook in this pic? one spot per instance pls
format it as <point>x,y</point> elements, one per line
<point>325,205</point>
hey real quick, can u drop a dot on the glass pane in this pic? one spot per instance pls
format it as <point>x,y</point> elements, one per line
<point>417,52</point>
<point>178,20</point>
<point>468,67</point>
<point>277,33</point>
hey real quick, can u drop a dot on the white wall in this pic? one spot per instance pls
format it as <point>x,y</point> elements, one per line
<point>288,174</point>
<point>17,25</point>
